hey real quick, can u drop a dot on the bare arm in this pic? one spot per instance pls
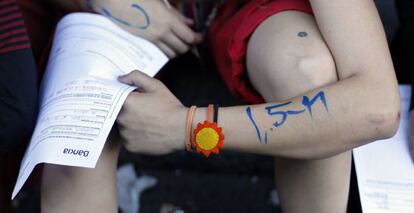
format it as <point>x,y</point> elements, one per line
<point>362,107</point>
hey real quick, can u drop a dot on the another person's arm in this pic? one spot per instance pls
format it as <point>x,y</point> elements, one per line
<point>18,86</point>
<point>150,19</point>
<point>362,107</point>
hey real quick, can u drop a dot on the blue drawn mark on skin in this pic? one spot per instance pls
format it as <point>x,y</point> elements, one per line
<point>272,110</point>
<point>147,23</point>
<point>293,112</point>
<point>250,115</point>
<point>147,18</point>
<point>284,114</point>
<point>108,13</point>
<point>284,118</point>
<point>308,103</point>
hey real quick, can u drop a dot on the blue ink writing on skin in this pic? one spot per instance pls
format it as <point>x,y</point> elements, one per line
<point>284,114</point>
<point>147,18</point>
<point>308,103</point>
<point>250,115</point>
<point>108,14</point>
<point>147,23</point>
<point>273,110</point>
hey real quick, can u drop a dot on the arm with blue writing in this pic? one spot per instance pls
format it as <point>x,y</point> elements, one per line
<point>361,107</point>
<point>312,126</point>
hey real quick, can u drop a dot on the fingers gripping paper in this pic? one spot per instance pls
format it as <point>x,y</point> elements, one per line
<point>80,94</point>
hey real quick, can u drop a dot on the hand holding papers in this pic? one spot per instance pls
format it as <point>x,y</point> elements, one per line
<point>80,94</point>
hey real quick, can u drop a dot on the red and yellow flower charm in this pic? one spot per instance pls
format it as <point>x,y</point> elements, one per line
<point>208,138</point>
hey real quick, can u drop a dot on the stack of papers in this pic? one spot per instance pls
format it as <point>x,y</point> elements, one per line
<point>80,95</point>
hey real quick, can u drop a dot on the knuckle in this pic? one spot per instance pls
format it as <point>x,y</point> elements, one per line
<point>135,73</point>
<point>128,104</point>
<point>161,33</point>
<point>155,36</point>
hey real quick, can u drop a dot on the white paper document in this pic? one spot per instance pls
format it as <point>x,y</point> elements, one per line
<point>385,171</point>
<point>80,96</point>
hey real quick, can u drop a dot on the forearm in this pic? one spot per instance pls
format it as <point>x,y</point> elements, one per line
<point>361,107</point>
<point>357,111</point>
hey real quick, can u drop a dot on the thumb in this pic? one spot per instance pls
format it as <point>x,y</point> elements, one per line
<point>139,79</point>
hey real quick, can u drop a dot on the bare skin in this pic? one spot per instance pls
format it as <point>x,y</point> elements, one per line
<point>305,64</point>
<point>74,189</point>
<point>149,19</point>
<point>350,65</point>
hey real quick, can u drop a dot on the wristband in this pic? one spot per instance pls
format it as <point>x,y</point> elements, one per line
<point>210,112</point>
<point>215,114</point>
<point>189,126</point>
<point>208,136</point>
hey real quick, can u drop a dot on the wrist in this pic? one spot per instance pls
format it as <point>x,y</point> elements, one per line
<point>207,136</point>
<point>199,116</point>
<point>188,122</point>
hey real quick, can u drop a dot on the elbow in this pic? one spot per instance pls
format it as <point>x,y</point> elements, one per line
<point>388,128</point>
<point>377,112</point>
<point>379,119</point>
<point>384,117</point>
